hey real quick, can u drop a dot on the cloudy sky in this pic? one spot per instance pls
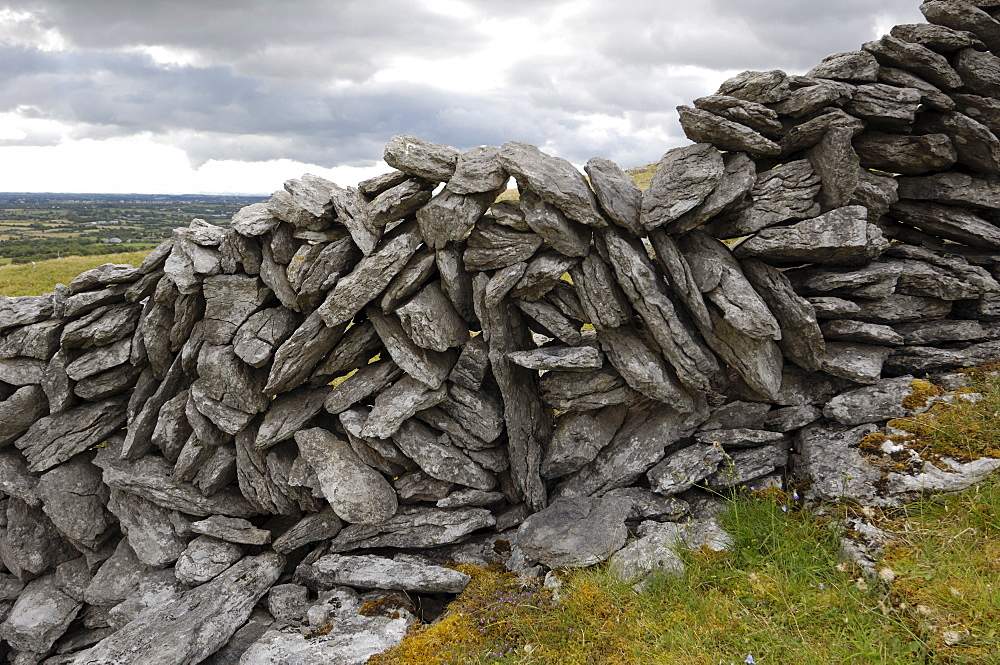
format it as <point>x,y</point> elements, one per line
<point>185,96</point>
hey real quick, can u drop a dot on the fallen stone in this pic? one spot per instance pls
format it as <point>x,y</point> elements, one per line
<point>655,552</point>
<point>400,573</point>
<point>575,532</point>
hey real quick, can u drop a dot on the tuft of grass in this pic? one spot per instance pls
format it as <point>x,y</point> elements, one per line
<point>32,279</point>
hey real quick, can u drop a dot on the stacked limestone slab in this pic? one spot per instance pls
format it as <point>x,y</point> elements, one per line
<point>260,429</point>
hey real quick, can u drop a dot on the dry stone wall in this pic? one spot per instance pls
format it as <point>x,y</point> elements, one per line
<point>219,456</point>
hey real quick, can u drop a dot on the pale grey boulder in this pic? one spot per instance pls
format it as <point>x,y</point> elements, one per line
<point>156,589</point>
<point>786,192</point>
<point>871,404</point>
<point>601,298</point>
<point>368,380</point>
<point>956,478</point>
<point>194,626</point>
<point>478,170</point>
<point>314,527</point>
<point>229,302</point>
<point>791,418</point>
<point>575,532</point>
<point>861,363</point>
<point>685,468</point>
<point>578,438</point>
<point>830,460</point>
<point>420,158</point>
<point>684,178</point>
<point>654,552</point>
<point>402,573</point>
<point>418,486</point>
<point>39,617</point>
<point>37,340</point>
<point>204,559</point>
<point>746,465</point>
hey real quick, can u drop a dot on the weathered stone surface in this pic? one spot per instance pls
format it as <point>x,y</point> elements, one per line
<point>618,195</point>
<point>559,357</point>
<point>103,275</point>
<point>739,438</point>
<point>20,411</point>
<point>312,528</point>
<point>976,146</point>
<point>640,443</point>
<point>899,308</point>
<point>654,552</point>
<point>449,217</point>
<point>267,478</point>
<point>100,359</point>
<point>431,321</point>
<point>642,368</point>
<point>885,105</point>
<point>861,363</point>
<point>747,465</point>
<point>427,366</point>
<point>575,532</point>
<point>398,203</point>
<point>437,456</point>
<point>791,418</point>
<point>232,530</point>
<point>470,497</point>
<point>684,178</point>
<point>493,246</point>
<point>417,486</point>
<point>940,275</point>
<point>685,468</point>
<point>366,381</point>
<point>749,415</point>
<point>478,170</point>
<point>423,159</point>
<point>16,480</point>
<point>57,438</point>
<point>150,477</point>
<point>543,272</point>
<point>953,188</point>
<point>871,404</point>
<point>398,403</point>
<point>414,527</point>
<point>556,229</point>
<point>194,626</point>
<point>919,59</point>
<point>31,543</point>
<point>786,192</point>
<point>846,330</point>
<point>923,359</point>
<point>949,222</point>
<point>956,478</point>
<point>38,340</point>
<point>964,16</point>
<point>983,109</point>
<point>905,154</point>
<point>705,127</point>
<point>761,87</point>
<point>224,377</point>
<point>578,391</point>
<point>288,413</point>
<point>833,464</point>
<point>849,66</point>
<point>754,115</point>
<point>839,237</point>
<point>153,532</point>
<point>931,97</point>
<point>109,383</point>
<point>876,192</point>
<point>402,573</point>
<point>24,310</point>
<point>370,276</point>
<point>602,300</point>
<point>39,617</point>
<point>810,132</point>
<point>815,95</point>
<point>936,332</point>
<point>254,220</point>
<point>296,358</point>
<point>801,339</point>
<point>553,179</point>
<point>74,498</point>
<point>737,181</point>
<point>355,350</point>
<point>116,578</point>
<point>876,280</point>
<point>936,37</point>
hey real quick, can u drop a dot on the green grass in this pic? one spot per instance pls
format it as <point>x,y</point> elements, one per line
<point>35,279</point>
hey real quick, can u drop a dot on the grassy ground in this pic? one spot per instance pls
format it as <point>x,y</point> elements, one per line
<point>31,279</point>
<point>779,595</point>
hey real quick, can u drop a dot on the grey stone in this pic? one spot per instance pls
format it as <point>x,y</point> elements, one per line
<point>298,356</point>
<point>254,220</point>
<point>117,577</point>
<point>791,418</point>
<point>754,115</point>
<point>983,109</point>
<point>431,321</point>
<point>232,530</point>
<point>288,413</point>
<point>414,527</point>
<point>449,217</point>
<point>601,298</point>
<point>569,358</point>
<point>876,192</point>
<point>705,127</point>
<point>427,366</point>
<point>786,192</point>
<point>861,363</point>
<point>109,383</point>
<point>81,303</point>
<point>316,268</point>
<point>74,498</point>
<point>555,228</point>
<point>939,275</point>
<point>950,223</point>
<point>478,170</point>
<point>553,179</point>
<point>737,182</point>
<point>648,505</point>
<point>745,466</point>
<point>437,456</point>
<point>801,337</point>
<point>958,189</point>
<point>579,391</point>
<point>103,275</point>
<point>21,371</point>
<point>366,381</point>
<point>618,195</point>
<point>16,480</point>
<point>936,332</point>
<point>376,572</point>
<point>38,340</point>
<point>575,532</point>
<point>677,272</point>
<point>100,359</point>
<point>761,87</point>
<point>885,105</point>
<point>871,404</point>
<point>959,476</point>
<point>936,37</point>
<point>31,543</point>
<point>417,272</point>
<point>578,438</point>
<point>20,411</point>
<point>839,237</point>
<point>357,492</point>
<point>739,438</point>
<point>57,438</point>
<point>492,246</point>
<point>931,97</point>
<point>908,155</point>
<point>421,158</point>
<point>976,146</point>
<point>154,532</point>
<point>267,479</point>
<point>817,94</point>
<point>849,66</point>
<point>398,203</point>
<point>470,497</point>
<point>923,359</point>
<point>833,464</point>
<point>156,589</point>
<point>355,350</point>
<point>640,443</point>
<point>352,212</point>
<point>914,57</point>
<point>810,132</point>
<point>876,280</point>
<point>799,387</point>
<point>964,16</point>
<point>229,302</point>
<point>397,403</point>
<point>684,178</point>
<point>480,412</point>
<point>749,415</point>
<point>194,626</point>
<point>370,276</point>
<point>543,272</point>
<point>418,486</point>
<point>654,552</point>
<point>684,468</point>
<point>642,367</point>
<point>846,330</point>
<point>73,577</point>
<point>39,617</point>
<point>227,379</point>
<point>24,310</point>
<point>312,528</point>
<point>899,308</point>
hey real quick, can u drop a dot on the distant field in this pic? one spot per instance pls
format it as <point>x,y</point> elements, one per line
<point>41,277</point>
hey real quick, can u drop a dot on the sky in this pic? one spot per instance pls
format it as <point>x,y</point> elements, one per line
<point>237,96</point>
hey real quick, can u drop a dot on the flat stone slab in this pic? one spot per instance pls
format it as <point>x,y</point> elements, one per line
<point>575,533</point>
<point>402,573</point>
<point>232,529</point>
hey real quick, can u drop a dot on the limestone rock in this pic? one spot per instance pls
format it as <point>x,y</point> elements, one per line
<point>103,275</point>
<point>655,552</point>
<point>57,438</point>
<point>899,308</point>
<point>964,16</point>
<point>976,146</point>
<point>684,178</point>
<point>810,132</point>
<point>493,246</point>
<point>849,66</point>
<point>449,217</point>
<point>74,499</point>
<point>754,115</point>
<point>861,363</point>
<point>398,403</point>
<point>427,366</point>
<point>786,192</point>
<point>705,127</point>
<point>761,87</point>
<point>20,411</point>
<point>24,310</point>
<point>575,533</point>
<point>431,320</point>
<point>871,404</point>
<point>885,105</point>
<point>958,189</point>
<point>938,38</point>
<point>401,573</point>
<point>916,58</point>
<point>568,358</point>
<point>31,543</point>
<point>815,95</point>
<point>681,470</point>
<point>618,195</point>
<point>423,159</point>
<point>950,223</point>
<point>833,464</point>
<point>557,230</point>
<point>254,220</point>
<point>232,530</point>
<point>298,356</point>
<point>439,457</point>
<point>846,330</point>
<point>414,527</point>
<point>39,617</point>
<point>905,154</point>
<point>312,528</point>
<point>478,170</point>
